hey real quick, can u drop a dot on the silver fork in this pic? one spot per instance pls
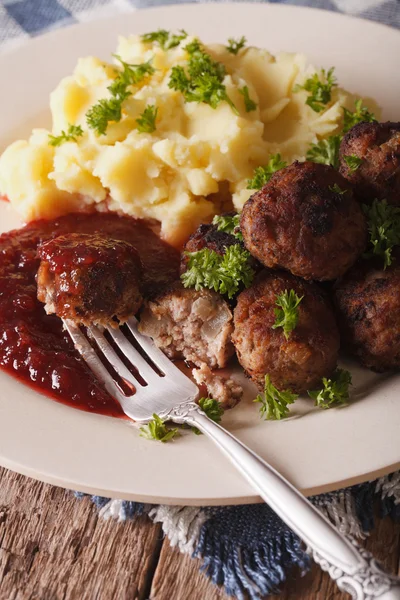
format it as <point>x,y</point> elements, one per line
<point>160,387</point>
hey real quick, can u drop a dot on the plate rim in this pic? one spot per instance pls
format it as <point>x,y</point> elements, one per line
<point>193,7</point>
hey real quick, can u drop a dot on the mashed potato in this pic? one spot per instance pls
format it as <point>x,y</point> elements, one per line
<point>196,162</point>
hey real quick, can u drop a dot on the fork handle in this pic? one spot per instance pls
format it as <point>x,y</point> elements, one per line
<point>353,568</point>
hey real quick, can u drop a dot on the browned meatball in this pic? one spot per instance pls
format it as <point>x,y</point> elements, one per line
<point>89,278</point>
<point>368,307</point>
<point>190,324</point>
<point>207,236</point>
<point>378,176</point>
<point>299,362</point>
<point>305,220</point>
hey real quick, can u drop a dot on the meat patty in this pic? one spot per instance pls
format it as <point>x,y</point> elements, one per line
<point>368,308</point>
<point>299,362</point>
<point>190,324</point>
<point>89,278</point>
<point>378,176</point>
<point>305,220</point>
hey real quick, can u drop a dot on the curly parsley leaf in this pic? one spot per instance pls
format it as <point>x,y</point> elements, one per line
<point>235,270</point>
<point>353,162</point>
<point>73,132</point>
<point>110,109</point>
<point>333,391</point>
<point>235,45</point>
<point>224,274</point>
<point>287,315</point>
<point>319,88</point>
<point>213,409</point>
<point>228,224</point>
<point>102,113</point>
<point>132,74</point>
<point>157,430</point>
<point>384,229</point>
<point>263,174</point>
<point>274,403</point>
<point>164,38</point>
<point>325,152</point>
<point>249,104</point>
<point>361,114</point>
<point>337,190</point>
<point>146,123</point>
<point>203,81</point>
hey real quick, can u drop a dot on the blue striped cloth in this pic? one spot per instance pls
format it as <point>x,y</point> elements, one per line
<point>247,549</point>
<point>21,19</point>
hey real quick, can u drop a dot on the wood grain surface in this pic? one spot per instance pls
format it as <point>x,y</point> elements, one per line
<point>54,546</point>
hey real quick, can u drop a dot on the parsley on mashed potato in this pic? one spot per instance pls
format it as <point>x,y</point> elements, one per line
<point>168,155</point>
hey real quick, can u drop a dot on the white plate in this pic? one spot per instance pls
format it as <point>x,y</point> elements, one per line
<point>321,450</point>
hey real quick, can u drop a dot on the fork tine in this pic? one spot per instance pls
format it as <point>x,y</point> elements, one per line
<point>91,358</point>
<point>145,370</point>
<point>154,353</point>
<point>111,355</point>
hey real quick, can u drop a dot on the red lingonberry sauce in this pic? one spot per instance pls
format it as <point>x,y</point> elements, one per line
<point>33,346</point>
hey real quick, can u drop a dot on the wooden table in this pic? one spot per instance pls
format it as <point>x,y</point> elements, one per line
<point>55,547</point>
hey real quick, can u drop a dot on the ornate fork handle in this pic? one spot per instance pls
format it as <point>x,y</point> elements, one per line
<point>368,582</point>
<point>353,568</point>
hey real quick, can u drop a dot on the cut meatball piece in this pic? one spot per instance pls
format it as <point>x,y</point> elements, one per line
<point>89,278</point>
<point>368,308</point>
<point>378,146</point>
<point>310,352</point>
<point>190,324</point>
<point>305,220</point>
<point>224,389</point>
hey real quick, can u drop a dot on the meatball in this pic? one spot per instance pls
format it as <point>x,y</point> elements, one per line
<point>89,278</point>
<point>207,236</point>
<point>190,324</point>
<point>368,308</point>
<point>378,176</point>
<point>310,352</point>
<point>305,220</point>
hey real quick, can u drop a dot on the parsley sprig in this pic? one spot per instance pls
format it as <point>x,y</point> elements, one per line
<point>213,409</point>
<point>274,403</point>
<point>249,104</point>
<point>157,430</point>
<point>224,274</point>
<point>203,81</point>
<point>73,132</point>
<point>263,174</point>
<point>384,230</point>
<point>353,162</point>
<point>319,88</point>
<point>165,39</point>
<point>228,224</point>
<point>337,190</point>
<point>325,152</point>
<point>334,391</point>
<point>361,114</point>
<point>146,123</point>
<point>235,45</point>
<point>287,313</point>
<point>110,109</point>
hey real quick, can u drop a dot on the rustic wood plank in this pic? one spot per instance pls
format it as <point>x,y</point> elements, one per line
<point>179,577</point>
<point>54,547</point>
